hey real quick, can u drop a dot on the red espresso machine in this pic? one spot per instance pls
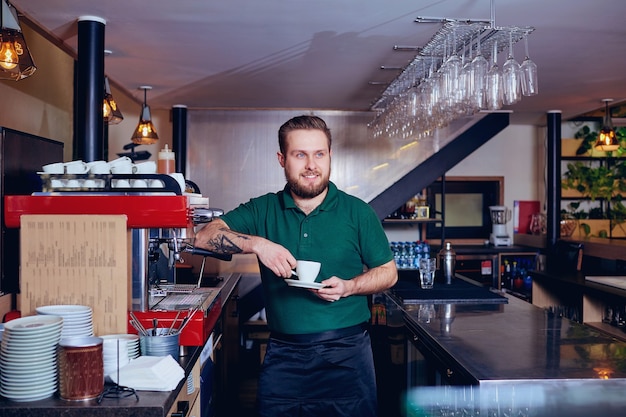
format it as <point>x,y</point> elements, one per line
<point>161,223</point>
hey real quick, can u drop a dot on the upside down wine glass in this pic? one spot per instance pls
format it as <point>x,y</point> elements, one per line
<point>511,77</point>
<point>479,67</point>
<point>466,86</point>
<point>529,74</point>
<point>494,82</point>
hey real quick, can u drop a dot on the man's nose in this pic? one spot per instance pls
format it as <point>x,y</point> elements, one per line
<point>310,162</point>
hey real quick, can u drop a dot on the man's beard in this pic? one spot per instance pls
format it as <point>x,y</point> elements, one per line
<point>306,191</point>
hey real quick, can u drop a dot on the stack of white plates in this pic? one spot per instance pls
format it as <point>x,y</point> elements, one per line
<point>77,319</point>
<point>118,350</point>
<point>28,357</point>
<point>132,342</point>
<point>114,355</point>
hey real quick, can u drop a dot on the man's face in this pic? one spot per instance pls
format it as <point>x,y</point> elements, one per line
<point>306,162</point>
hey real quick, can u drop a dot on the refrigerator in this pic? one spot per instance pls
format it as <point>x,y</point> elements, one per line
<point>21,157</point>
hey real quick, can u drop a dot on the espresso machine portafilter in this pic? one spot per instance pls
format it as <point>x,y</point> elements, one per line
<point>156,251</point>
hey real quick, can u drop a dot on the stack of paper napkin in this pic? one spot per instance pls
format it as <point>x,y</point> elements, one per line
<point>150,373</point>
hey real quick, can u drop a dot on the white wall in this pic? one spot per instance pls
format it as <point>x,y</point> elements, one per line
<point>41,104</point>
<point>512,154</point>
<point>517,154</point>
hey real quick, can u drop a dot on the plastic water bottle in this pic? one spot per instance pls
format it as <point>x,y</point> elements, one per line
<point>419,254</point>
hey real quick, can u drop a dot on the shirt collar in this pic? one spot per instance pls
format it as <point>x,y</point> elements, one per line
<point>330,201</point>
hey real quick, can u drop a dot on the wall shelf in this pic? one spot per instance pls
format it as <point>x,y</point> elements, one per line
<point>421,223</point>
<point>411,221</point>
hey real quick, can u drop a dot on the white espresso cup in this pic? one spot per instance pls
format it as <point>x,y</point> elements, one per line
<point>121,165</point>
<point>128,168</point>
<point>56,168</point>
<point>156,184</point>
<point>120,160</point>
<point>90,184</point>
<point>76,167</point>
<point>99,167</point>
<point>139,183</point>
<point>307,271</point>
<point>121,184</point>
<point>147,167</point>
<point>73,184</point>
<point>57,183</point>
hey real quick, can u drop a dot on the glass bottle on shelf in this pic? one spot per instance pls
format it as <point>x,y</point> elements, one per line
<point>518,281</point>
<point>506,275</point>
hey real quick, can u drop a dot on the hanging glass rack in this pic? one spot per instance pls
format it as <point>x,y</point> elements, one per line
<point>463,38</point>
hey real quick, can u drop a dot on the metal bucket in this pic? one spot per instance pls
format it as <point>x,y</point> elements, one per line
<point>81,369</point>
<point>162,344</point>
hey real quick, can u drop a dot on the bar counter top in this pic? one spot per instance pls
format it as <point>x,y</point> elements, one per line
<point>147,403</point>
<point>516,345</point>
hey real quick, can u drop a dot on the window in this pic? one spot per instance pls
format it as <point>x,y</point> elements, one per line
<point>467,201</point>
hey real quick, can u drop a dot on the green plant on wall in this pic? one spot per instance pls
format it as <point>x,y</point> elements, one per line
<point>574,212</point>
<point>594,180</point>
<point>601,179</point>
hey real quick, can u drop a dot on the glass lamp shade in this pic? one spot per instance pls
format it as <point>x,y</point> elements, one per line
<point>15,60</point>
<point>112,114</point>
<point>110,111</point>
<point>607,140</point>
<point>145,133</point>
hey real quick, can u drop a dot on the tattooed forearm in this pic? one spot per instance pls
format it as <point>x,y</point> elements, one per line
<point>224,244</point>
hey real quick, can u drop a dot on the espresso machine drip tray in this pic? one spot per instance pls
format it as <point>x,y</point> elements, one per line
<point>182,301</point>
<point>199,311</point>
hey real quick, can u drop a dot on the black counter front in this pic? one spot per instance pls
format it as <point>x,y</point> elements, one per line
<point>146,404</point>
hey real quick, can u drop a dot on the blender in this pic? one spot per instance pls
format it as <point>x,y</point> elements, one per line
<point>500,215</point>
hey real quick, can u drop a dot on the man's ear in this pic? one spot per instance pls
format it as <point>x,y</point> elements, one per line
<point>281,159</point>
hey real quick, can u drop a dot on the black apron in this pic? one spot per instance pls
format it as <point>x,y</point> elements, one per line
<point>331,378</point>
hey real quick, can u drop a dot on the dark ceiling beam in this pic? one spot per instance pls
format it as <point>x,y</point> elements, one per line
<point>439,163</point>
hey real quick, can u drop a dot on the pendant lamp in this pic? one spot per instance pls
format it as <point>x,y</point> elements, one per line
<point>112,114</point>
<point>145,133</point>
<point>15,60</point>
<point>607,140</point>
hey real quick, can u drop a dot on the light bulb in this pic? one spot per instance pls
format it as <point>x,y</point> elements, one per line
<point>8,56</point>
<point>145,130</point>
<point>106,109</point>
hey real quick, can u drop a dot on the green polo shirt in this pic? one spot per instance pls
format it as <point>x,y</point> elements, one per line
<point>343,233</point>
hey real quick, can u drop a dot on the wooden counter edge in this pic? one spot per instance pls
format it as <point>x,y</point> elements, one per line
<point>597,247</point>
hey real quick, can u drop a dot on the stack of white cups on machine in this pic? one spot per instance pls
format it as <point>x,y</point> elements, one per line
<point>80,174</point>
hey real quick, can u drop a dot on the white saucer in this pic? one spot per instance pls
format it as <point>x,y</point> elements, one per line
<point>65,310</point>
<point>301,284</point>
<point>33,324</point>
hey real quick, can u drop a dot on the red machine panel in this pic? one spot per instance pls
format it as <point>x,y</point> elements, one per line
<point>142,211</point>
